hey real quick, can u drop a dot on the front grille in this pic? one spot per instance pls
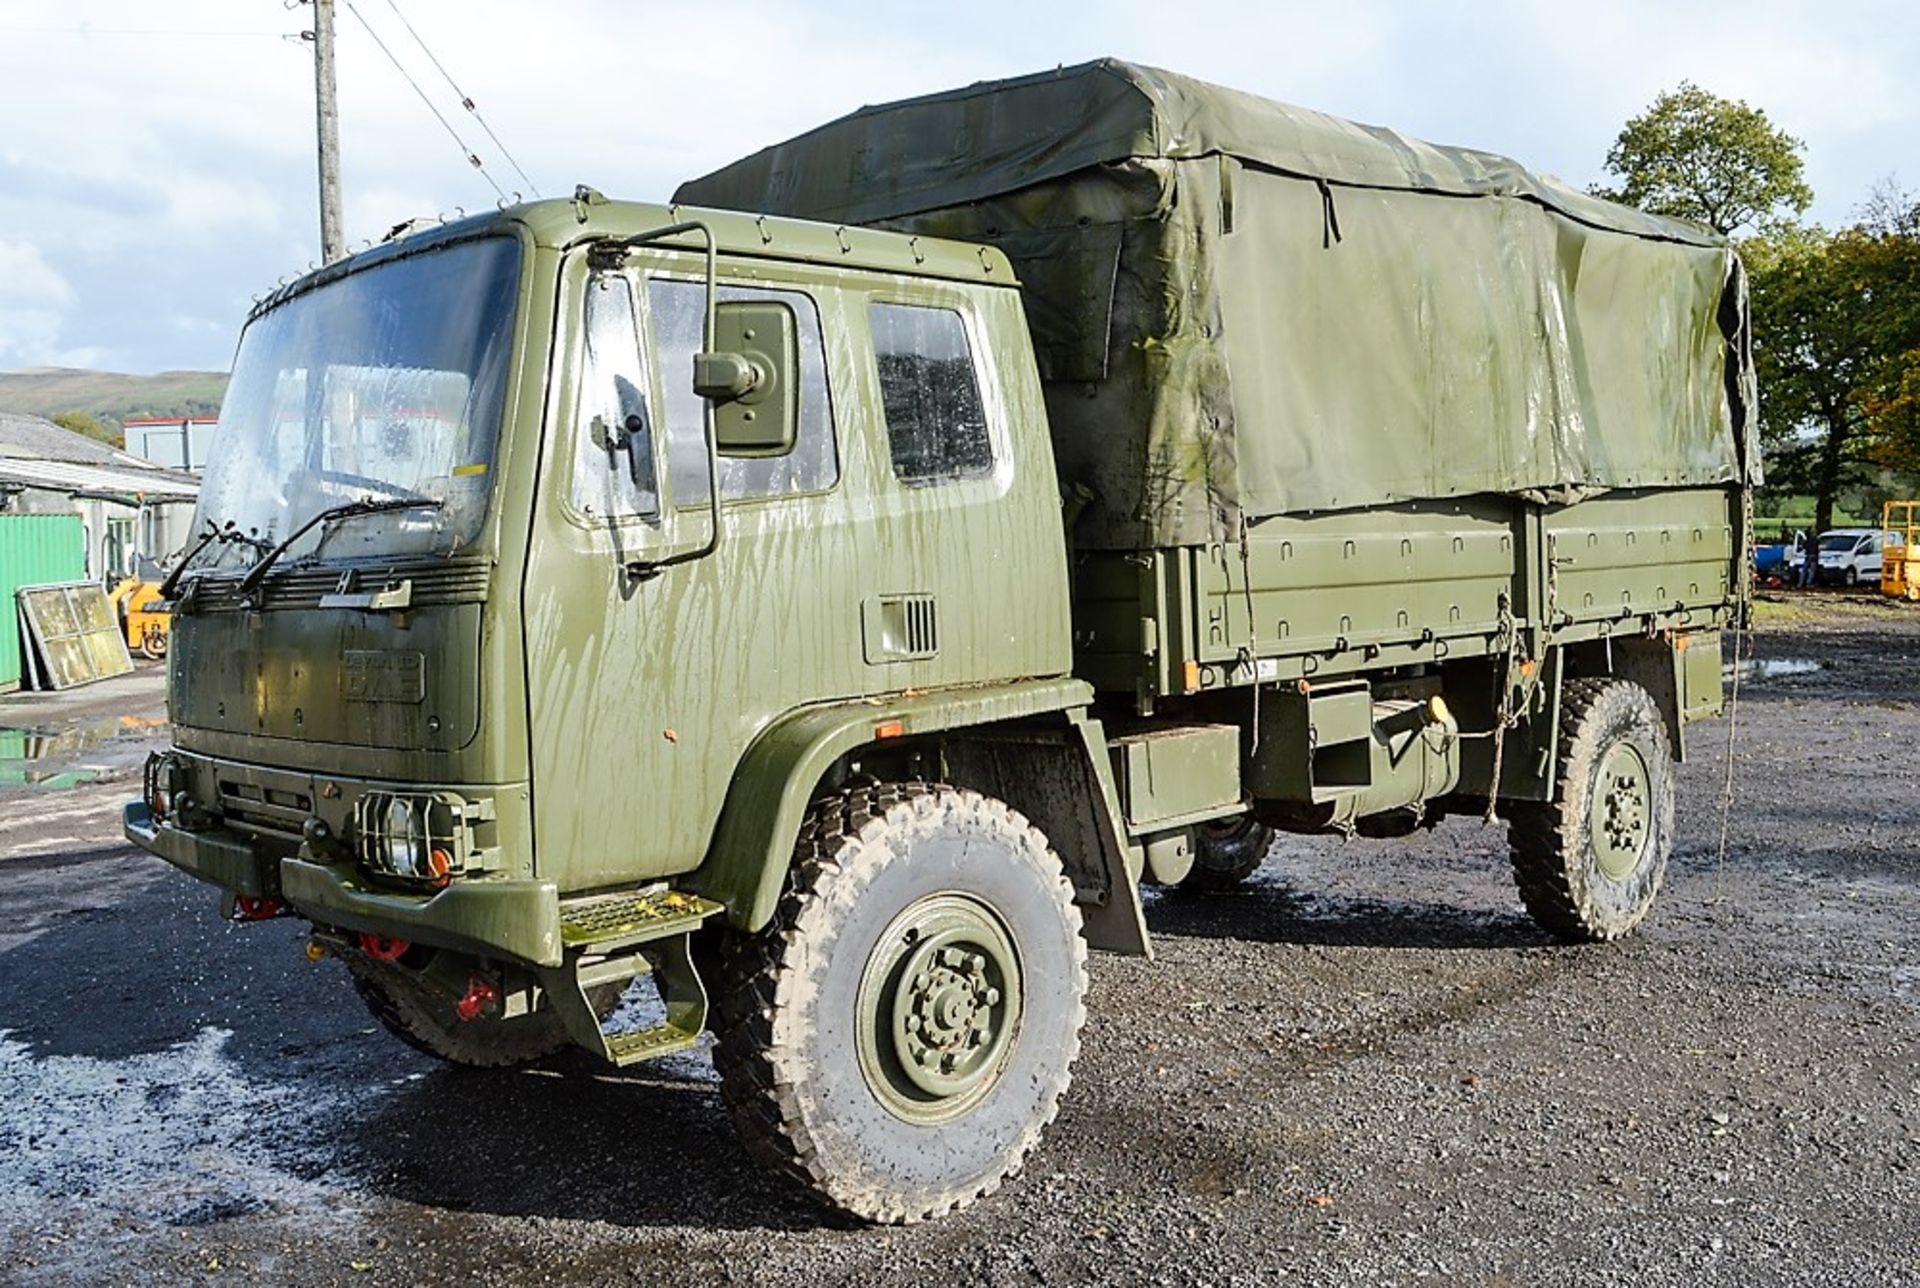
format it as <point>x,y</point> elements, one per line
<point>264,809</point>
<point>451,581</point>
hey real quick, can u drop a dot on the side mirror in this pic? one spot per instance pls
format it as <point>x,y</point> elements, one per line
<point>752,378</point>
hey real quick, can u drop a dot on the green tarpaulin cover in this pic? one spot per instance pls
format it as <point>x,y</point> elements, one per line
<point>1242,308</point>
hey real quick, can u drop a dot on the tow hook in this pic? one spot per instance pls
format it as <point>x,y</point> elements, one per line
<point>481,998</point>
<point>382,948</point>
<point>247,907</point>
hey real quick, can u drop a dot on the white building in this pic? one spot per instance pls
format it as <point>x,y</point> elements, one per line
<point>177,443</point>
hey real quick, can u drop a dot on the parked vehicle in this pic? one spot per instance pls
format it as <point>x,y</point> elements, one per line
<point>1778,563</point>
<point>684,592</point>
<point>1850,556</point>
<point>141,611</point>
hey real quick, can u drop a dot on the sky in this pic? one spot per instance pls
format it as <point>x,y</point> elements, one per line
<point>157,161</point>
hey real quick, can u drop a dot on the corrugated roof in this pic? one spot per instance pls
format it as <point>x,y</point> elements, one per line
<point>32,438</point>
<point>96,480</point>
<point>38,453</point>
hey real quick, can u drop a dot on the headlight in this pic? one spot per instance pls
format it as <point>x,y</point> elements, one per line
<point>420,836</point>
<point>405,838</point>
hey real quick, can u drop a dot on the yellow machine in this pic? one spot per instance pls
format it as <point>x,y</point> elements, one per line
<point>143,615</point>
<point>1900,555</point>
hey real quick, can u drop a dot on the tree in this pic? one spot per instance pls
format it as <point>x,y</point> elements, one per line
<point>1713,160</point>
<point>1836,323</point>
<point>1891,268</point>
<point>85,422</point>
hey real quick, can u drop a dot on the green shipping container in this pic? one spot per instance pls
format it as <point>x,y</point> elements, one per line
<point>34,549</point>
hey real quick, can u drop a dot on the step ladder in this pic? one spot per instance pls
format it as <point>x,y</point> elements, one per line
<point>612,940</point>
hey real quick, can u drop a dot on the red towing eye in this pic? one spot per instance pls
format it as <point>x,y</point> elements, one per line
<point>249,908</point>
<point>481,998</point>
<point>381,948</point>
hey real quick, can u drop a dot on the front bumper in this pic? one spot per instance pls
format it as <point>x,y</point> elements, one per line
<point>491,917</point>
<point>229,863</point>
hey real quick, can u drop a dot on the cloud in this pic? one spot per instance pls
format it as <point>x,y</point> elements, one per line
<point>34,303</point>
<point>166,179</point>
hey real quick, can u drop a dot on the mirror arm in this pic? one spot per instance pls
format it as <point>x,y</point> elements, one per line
<point>616,250</point>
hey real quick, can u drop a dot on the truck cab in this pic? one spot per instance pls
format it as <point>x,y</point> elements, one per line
<point>462,645</point>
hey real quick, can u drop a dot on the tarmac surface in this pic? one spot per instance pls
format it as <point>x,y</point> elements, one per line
<point>1365,1067</point>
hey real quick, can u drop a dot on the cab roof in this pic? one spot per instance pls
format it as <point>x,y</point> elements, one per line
<point>563,223</point>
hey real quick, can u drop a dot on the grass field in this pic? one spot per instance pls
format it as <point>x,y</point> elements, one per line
<point>111,395</point>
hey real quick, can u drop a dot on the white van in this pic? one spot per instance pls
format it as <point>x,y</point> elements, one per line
<point>1850,556</point>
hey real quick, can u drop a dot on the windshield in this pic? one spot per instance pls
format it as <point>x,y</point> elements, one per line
<point>1830,545</point>
<point>381,385</point>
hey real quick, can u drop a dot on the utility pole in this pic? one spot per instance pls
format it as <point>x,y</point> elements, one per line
<point>333,242</point>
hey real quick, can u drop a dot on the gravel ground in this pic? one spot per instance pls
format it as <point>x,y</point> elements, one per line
<point>1367,1067</point>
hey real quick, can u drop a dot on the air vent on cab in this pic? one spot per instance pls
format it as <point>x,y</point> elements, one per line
<point>899,628</point>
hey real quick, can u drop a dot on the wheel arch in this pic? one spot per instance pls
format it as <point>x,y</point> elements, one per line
<point>1657,664</point>
<point>777,778</point>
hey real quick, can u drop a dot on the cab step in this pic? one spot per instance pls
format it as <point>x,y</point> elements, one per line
<point>603,922</point>
<point>612,940</point>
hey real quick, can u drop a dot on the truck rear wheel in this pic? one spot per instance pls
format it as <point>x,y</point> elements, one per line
<point>1228,852</point>
<point>423,1017</point>
<point>1590,861</point>
<point>899,1037</point>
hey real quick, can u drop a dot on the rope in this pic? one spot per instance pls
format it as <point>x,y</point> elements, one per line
<point>1742,632</point>
<point>1504,716</point>
<point>1252,650</point>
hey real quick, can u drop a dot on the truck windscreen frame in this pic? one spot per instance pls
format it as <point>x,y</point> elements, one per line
<point>387,383</point>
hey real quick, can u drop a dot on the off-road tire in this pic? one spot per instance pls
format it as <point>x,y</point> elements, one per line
<point>1225,855</point>
<point>1555,862</point>
<point>791,1002</point>
<point>423,1018</point>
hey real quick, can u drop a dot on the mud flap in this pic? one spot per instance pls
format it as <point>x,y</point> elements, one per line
<point>1062,780</point>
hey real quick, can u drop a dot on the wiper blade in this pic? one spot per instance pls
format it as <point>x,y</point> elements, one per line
<point>224,535</point>
<point>334,514</point>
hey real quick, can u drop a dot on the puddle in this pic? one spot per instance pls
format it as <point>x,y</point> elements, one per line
<point>43,757</point>
<point>1774,668</point>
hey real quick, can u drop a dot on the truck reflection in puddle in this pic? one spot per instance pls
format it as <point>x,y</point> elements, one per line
<point>44,757</point>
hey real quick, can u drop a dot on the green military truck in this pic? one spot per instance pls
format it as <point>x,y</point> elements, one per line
<point>836,608</point>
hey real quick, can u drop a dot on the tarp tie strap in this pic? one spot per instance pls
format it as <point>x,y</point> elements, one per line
<point>1330,217</point>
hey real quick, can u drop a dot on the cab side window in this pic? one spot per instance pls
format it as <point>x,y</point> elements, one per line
<point>930,393</point>
<point>678,322</point>
<point>613,468</point>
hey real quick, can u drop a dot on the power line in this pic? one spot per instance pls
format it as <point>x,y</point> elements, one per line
<point>473,157</point>
<point>465,100</point>
<point>127,31</point>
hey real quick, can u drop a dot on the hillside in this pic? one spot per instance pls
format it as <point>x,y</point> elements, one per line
<point>111,395</point>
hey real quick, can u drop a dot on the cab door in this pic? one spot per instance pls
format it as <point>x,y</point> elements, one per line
<point>644,690</point>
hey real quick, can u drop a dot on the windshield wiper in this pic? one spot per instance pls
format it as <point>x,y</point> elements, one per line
<point>333,514</point>
<point>224,535</point>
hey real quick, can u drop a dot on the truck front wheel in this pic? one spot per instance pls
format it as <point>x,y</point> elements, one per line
<point>1589,862</point>
<point>901,1034</point>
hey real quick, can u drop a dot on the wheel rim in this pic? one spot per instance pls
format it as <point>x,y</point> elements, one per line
<point>1621,811</point>
<point>939,1008</point>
